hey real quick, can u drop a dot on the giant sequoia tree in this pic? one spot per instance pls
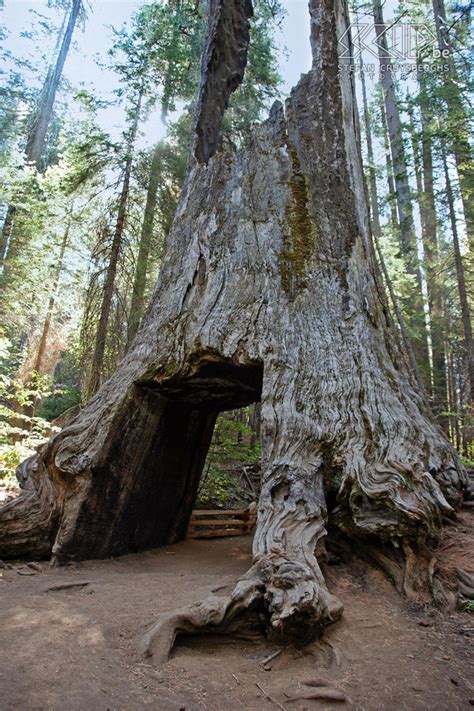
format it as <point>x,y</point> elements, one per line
<point>268,292</point>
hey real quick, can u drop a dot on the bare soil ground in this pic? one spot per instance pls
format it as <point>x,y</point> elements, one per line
<point>75,649</point>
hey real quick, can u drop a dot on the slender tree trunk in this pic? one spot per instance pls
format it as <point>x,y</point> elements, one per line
<point>459,124</point>
<point>139,282</point>
<point>268,292</point>
<point>388,167</point>
<point>377,230</point>
<point>38,363</point>
<point>255,422</point>
<point>397,149</point>
<point>453,403</point>
<point>461,280</point>
<point>42,119</point>
<point>407,233</point>
<point>424,181</point>
<point>109,285</point>
<point>432,255</point>
<point>37,136</point>
<point>5,237</point>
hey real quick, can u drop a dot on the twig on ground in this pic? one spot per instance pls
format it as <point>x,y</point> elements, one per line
<point>321,693</point>
<point>271,657</point>
<point>270,698</point>
<point>67,586</point>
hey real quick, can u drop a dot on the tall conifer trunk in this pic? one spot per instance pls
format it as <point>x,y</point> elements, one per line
<point>461,279</point>
<point>95,377</point>
<point>388,167</point>
<point>376,225</point>
<point>41,120</point>
<point>139,282</point>
<point>458,135</point>
<point>407,234</point>
<point>424,179</point>
<point>38,362</point>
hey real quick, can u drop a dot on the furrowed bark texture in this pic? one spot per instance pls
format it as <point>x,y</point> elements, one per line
<point>268,292</point>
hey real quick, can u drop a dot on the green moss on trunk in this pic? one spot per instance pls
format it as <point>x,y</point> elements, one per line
<point>299,245</point>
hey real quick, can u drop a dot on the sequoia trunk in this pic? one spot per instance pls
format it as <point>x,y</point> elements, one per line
<point>269,292</point>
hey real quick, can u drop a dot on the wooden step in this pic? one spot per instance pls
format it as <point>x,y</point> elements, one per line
<point>213,523</point>
<point>218,533</point>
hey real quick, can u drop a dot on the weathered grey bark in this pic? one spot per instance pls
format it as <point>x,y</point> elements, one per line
<point>38,363</point>
<point>269,292</point>
<point>222,70</point>
<point>461,279</point>
<point>459,123</point>
<point>406,225</point>
<point>423,164</point>
<point>137,305</point>
<point>95,377</point>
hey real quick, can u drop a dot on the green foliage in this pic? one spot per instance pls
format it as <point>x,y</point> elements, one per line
<point>59,401</point>
<point>21,433</point>
<point>233,444</point>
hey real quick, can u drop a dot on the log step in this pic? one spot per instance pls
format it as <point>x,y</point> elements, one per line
<point>217,522</point>
<point>220,512</point>
<point>218,532</point>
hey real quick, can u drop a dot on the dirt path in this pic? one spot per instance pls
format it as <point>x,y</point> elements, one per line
<point>74,649</point>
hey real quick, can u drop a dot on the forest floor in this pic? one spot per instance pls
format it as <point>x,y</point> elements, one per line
<point>75,649</point>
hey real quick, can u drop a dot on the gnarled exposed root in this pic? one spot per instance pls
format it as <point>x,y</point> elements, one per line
<point>465,583</point>
<point>280,598</point>
<point>215,614</point>
<point>412,568</point>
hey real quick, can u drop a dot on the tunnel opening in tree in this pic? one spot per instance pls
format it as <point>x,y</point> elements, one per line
<point>151,477</point>
<point>231,478</point>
